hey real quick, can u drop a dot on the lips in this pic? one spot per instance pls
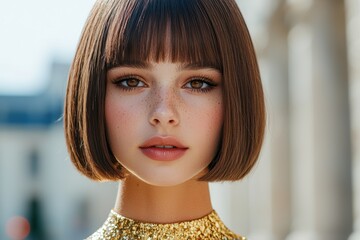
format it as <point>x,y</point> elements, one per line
<point>163,148</point>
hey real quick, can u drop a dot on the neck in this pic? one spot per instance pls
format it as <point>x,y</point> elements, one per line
<point>147,203</point>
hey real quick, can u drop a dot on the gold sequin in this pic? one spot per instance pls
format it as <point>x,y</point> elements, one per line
<point>117,227</point>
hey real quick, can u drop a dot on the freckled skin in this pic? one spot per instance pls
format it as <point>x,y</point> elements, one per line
<point>163,107</point>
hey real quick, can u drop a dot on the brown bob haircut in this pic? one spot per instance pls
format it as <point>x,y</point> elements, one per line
<point>203,32</point>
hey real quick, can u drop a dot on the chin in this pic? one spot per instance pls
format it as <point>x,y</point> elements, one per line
<point>164,181</point>
<point>169,179</point>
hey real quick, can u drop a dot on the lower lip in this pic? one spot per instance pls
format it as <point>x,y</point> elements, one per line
<point>163,154</point>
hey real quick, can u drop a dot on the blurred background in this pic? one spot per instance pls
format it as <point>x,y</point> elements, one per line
<point>306,185</point>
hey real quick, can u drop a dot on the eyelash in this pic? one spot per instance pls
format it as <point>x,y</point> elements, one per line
<point>118,82</point>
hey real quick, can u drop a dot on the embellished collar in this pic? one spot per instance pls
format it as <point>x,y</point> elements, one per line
<point>118,227</point>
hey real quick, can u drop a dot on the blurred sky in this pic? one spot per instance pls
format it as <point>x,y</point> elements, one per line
<point>33,33</point>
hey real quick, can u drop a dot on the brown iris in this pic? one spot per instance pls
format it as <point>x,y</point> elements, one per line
<point>132,82</point>
<point>196,84</point>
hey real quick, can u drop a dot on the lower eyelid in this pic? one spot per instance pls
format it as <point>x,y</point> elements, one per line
<point>201,90</point>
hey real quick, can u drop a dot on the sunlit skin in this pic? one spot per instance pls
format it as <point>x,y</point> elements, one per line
<point>181,105</point>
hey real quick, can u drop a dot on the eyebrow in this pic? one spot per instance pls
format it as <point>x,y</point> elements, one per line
<point>184,66</point>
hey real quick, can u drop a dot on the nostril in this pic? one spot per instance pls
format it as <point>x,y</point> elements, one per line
<point>163,115</point>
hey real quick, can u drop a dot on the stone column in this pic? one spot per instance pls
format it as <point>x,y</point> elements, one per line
<point>353,40</point>
<point>277,89</point>
<point>319,110</point>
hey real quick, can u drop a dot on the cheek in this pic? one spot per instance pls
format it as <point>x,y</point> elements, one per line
<point>206,123</point>
<point>119,119</point>
<point>210,119</point>
<point>114,116</point>
<point>215,123</point>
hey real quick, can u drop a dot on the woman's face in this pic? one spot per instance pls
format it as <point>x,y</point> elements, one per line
<point>164,119</point>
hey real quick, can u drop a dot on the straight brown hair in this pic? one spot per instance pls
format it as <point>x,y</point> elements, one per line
<point>207,33</point>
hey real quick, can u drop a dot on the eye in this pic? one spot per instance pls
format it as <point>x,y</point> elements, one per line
<point>129,83</point>
<point>199,84</point>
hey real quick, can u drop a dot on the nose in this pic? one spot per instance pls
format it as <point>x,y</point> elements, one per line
<point>163,108</point>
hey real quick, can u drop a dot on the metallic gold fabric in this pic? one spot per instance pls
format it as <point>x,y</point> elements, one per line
<point>209,227</point>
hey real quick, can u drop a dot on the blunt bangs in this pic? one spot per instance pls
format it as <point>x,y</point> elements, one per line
<point>178,31</point>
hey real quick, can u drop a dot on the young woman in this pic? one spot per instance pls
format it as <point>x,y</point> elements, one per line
<point>164,96</point>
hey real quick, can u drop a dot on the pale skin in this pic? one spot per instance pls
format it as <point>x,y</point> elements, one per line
<point>174,102</point>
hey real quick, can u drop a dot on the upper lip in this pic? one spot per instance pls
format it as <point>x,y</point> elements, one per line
<point>162,141</point>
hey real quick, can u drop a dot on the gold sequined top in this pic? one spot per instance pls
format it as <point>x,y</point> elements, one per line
<point>117,227</point>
